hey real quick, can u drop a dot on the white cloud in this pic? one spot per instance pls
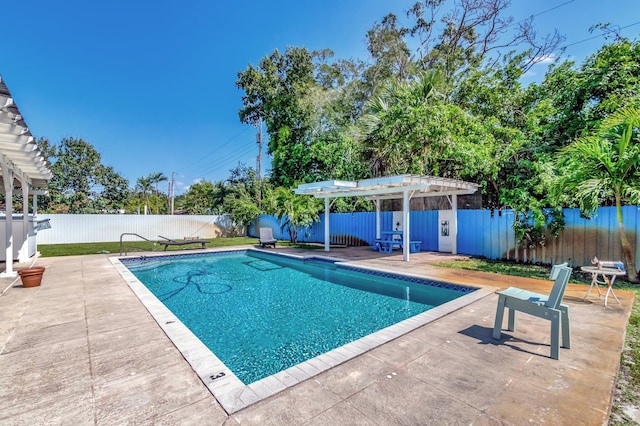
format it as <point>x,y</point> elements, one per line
<point>546,59</point>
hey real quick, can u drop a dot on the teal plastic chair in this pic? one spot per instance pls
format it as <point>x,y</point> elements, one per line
<point>547,307</point>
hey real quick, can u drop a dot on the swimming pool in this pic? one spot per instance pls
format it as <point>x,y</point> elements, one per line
<point>272,319</point>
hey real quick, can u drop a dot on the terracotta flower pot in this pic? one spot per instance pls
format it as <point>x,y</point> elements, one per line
<point>31,277</point>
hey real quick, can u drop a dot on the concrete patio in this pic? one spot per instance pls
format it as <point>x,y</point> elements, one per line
<point>82,349</point>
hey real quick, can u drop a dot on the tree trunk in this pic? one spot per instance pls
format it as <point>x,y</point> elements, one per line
<point>293,233</point>
<point>628,256</point>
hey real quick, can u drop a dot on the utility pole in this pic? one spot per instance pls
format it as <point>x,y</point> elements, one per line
<point>171,190</point>
<point>259,161</point>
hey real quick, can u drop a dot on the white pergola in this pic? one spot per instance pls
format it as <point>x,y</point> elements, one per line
<point>403,187</point>
<point>23,167</point>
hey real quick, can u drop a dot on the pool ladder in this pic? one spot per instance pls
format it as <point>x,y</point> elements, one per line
<point>139,236</point>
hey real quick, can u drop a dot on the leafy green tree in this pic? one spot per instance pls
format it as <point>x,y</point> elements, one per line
<point>242,196</point>
<point>242,207</point>
<point>577,99</point>
<point>333,152</point>
<point>473,33</point>
<point>293,211</point>
<point>345,89</point>
<point>245,179</point>
<point>605,167</point>
<point>143,189</point>
<point>74,173</point>
<point>47,149</point>
<point>203,198</point>
<point>155,178</point>
<point>390,55</point>
<point>272,90</point>
<point>410,129</point>
<point>115,190</point>
<point>80,183</point>
<point>144,185</point>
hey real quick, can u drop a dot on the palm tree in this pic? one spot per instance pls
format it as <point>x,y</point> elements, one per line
<point>156,178</point>
<point>388,125</point>
<point>143,186</point>
<point>606,166</point>
<point>293,211</point>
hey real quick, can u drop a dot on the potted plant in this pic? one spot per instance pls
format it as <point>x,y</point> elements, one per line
<point>31,277</point>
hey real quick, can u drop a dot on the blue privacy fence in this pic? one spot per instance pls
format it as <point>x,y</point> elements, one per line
<point>487,233</point>
<point>357,229</point>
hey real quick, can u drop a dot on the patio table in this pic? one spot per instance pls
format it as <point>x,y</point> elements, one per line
<point>388,241</point>
<point>608,277</point>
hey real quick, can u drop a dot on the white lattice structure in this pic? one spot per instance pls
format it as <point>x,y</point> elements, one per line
<point>23,168</point>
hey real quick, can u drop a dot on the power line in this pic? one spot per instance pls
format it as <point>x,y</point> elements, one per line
<point>221,160</point>
<point>236,155</point>
<point>553,8</point>
<point>217,149</point>
<point>540,13</point>
<point>597,36</point>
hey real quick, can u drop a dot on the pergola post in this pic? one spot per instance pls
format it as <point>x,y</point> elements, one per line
<point>377,203</point>
<point>454,225</point>
<point>7,176</point>
<point>406,226</point>
<point>25,221</point>
<point>326,225</point>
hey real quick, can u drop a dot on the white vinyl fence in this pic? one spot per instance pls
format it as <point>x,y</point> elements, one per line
<point>93,228</point>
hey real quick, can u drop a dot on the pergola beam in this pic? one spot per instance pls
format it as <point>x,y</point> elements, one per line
<point>423,194</point>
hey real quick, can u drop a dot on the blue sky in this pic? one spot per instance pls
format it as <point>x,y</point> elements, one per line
<point>151,85</point>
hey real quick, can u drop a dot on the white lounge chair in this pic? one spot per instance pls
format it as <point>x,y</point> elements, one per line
<point>547,307</point>
<point>266,237</point>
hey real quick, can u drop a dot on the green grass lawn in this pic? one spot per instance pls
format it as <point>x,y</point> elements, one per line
<point>132,246</point>
<point>509,268</point>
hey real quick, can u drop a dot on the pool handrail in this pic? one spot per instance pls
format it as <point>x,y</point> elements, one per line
<point>139,236</point>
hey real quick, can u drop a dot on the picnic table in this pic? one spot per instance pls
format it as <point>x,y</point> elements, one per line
<point>388,242</point>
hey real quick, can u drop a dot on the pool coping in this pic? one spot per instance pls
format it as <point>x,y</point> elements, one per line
<point>231,393</point>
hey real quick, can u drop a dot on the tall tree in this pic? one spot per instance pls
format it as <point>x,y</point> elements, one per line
<point>474,32</point>
<point>155,178</point>
<point>390,55</point>
<point>115,190</point>
<point>605,167</point>
<point>294,211</point>
<point>409,129</point>
<point>144,186</point>
<point>80,182</point>
<point>203,198</point>
<point>75,168</point>
<point>578,98</point>
<point>272,90</point>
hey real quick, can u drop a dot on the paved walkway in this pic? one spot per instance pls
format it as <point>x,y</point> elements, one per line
<point>81,349</point>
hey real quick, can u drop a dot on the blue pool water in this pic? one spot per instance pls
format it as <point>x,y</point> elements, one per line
<point>261,313</point>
